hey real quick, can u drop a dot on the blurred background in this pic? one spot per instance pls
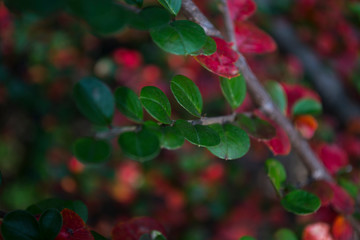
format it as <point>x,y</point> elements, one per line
<point>195,195</point>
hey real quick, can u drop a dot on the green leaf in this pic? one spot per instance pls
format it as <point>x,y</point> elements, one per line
<point>276,172</point>
<point>247,238</point>
<point>173,6</point>
<point>198,134</point>
<point>142,146</point>
<point>179,37</point>
<point>307,106</point>
<point>171,138</point>
<point>59,204</point>
<point>256,127</point>
<point>234,90</point>
<point>20,225</point>
<point>50,223</point>
<point>285,234</point>
<point>301,202</point>
<point>349,186</point>
<point>277,94</point>
<point>95,100</point>
<point>234,142</point>
<point>129,104</point>
<point>145,236</point>
<point>208,49</point>
<point>156,104</point>
<point>187,94</point>
<point>90,150</point>
<point>156,235</point>
<point>97,236</point>
<point>103,16</point>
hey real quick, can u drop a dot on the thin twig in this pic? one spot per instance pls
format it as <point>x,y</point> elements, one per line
<point>263,100</point>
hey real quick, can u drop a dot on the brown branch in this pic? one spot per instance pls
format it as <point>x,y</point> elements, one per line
<point>263,100</point>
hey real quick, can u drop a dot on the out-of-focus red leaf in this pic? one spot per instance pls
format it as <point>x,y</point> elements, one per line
<point>280,144</point>
<point>73,228</point>
<point>251,39</point>
<point>135,228</point>
<point>342,229</point>
<point>222,62</point>
<point>241,9</point>
<point>323,190</point>
<point>332,156</point>
<point>297,92</point>
<point>306,125</point>
<point>342,201</point>
<point>317,231</point>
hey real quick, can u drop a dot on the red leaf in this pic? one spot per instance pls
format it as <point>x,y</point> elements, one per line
<point>73,228</point>
<point>342,229</point>
<point>317,231</point>
<point>323,190</point>
<point>135,228</point>
<point>332,156</point>
<point>241,9</point>
<point>306,125</point>
<point>222,62</point>
<point>280,144</point>
<point>251,39</point>
<point>342,201</point>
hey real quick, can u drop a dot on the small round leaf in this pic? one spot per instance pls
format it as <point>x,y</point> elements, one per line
<point>234,142</point>
<point>156,104</point>
<point>285,234</point>
<point>20,225</point>
<point>234,90</point>
<point>173,6</point>
<point>187,94</point>
<point>128,103</point>
<point>301,202</point>
<point>276,172</point>
<point>50,223</point>
<point>179,37</point>
<point>198,134</point>
<point>307,106</point>
<point>89,150</point>
<point>142,146</point>
<point>277,94</point>
<point>171,138</point>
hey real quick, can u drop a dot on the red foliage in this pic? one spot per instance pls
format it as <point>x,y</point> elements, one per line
<point>342,229</point>
<point>73,228</point>
<point>128,58</point>
<point>280,144</point>
<point>222,62</point>
<point>342,201</point>
<point>135,228</point>
<point>306,125</point>
<point>251,39</point>
<point>241,9</point>
<point>323,190</point>
<point>332,156</point>
<point>317,231</point>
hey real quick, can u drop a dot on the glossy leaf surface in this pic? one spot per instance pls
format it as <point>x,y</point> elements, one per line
<point>180,37</point>
<point>171,138</point>
<point>234,90</point>
<point>301,202</point>
<point>73,228</point>
<point>156,104</point>
<point>173,6</point>
<point>307,106</point>
<point>209,48</point>
<point>198,134</point>
<point>128,103</point>
<point>277,94</point>
<point>142,145</point>
<point>187,94</point>
<point>234,142</point>
<point>256,127</point>
<point>276,172</point>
